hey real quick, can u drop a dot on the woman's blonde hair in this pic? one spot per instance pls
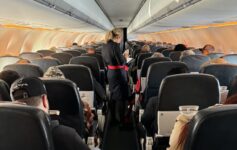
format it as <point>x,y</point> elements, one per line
<point>113,34</point>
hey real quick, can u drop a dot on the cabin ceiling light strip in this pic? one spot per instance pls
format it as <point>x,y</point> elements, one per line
<point>53,5</point>
<point>173,7</point>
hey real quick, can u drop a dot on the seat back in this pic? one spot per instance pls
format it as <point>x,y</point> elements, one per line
<point>157,72</point>
<point>142,57</point>
<point>30,55</point>
<point>82,76</point>
<point>167,52</point>
<point>231,58</point>
<point>90,62</point>
<point>175,56</point>
<point>45,63</point>
<point>64,58</point>
<point>99,59</point>
<point>225,73</point>
<point>25,70</point>
<point>45,53</point>
<point>74,53</point>
<point>145,65</point>
<point>184,89</point>
<point>24,128</point>
<point>4,91</point>
<point>64,96</point>
<point>194,62</point>
<point>233,87</point>
<point>215,55</point>
<point>7,60</point>
<point>213,128</point>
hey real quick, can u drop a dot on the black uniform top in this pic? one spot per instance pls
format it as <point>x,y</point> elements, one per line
<point>66,138</point>
<point>112,55</point>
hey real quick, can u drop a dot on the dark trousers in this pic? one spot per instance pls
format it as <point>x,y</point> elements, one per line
<point>119,93</point>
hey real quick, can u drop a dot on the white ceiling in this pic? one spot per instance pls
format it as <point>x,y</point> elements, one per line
<point>120,12</point>
<point>202,13</point>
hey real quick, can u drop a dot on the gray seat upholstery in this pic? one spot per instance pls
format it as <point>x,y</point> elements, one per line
<point>74,53</point>
<point>7,60</point>
<point>175,56</point>
<point>141,57</point>
<point>225,73</point>
<point>30,55</point>
<point>215,55</point>
<point>231,58</point>
<point>24,128</point>
<point>45,63</point>
<point>167,52</point>
<point>213,129</point>
<point>25,70</point>
<point>64,58</point>
<point>45,53</point>
<point>194,62</point>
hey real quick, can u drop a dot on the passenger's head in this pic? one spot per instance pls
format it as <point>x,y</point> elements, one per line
<point>145,48</point>
<point>186,53</point>
<point>114,35</point>
<point>157,54</point>
<point>30,91</point>
<point>208,48</point>
<point>23,61</point>
<point>74,44</point>
<point>180,47</point>
<point>9,76</point>
<point>54,72</point>
<point>90,50</point>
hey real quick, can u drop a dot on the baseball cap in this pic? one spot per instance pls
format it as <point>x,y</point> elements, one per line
<point>27,87</point>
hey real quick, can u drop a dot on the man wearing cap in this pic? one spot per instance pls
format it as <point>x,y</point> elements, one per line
<point>32,92</point>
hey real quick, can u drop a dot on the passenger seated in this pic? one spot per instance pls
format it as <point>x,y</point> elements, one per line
<point>208,48</point>
<point>186,53</point>
<point>180,130</point>
<point>90,50</point>
<point>215,61</point>
<point>157,54</point>
<point>9,76</point>
<point>31,91</point>
<point>54,72</point>
<point>180,47</point>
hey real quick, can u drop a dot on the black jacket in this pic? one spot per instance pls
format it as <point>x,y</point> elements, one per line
<point>112,55</point>
<point>66,138</point>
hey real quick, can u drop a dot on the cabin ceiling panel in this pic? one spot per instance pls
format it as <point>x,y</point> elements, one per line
<point>120,12</point>
<point>202,13</point>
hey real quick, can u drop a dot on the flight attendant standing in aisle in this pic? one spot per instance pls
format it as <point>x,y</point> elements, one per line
<point>117,75</point>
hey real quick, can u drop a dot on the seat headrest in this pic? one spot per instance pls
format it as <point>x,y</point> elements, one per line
<point>90,62</point>
<point>63,95</point>
<point>194,62</point>
<point>188,89</point>
<point>225,73</point>
<point>64,58</point>
<point>158,71</point>
<point>30,55</point>
<point>215,55</point>
<point>213,128</point>
<point>175,56</point>
<point>79,74</point>
<point>167,52</point>
<point>25,70</point>
<point>148,61</point>
<point>74,53</point>
<point>24,128</point>
<point>231,58</point>
<point>99,59</point>
<point>141,57</point>
<point>7,60</point>
<point>4,91</point>
<point>45,63</point>
<point>45,53</point>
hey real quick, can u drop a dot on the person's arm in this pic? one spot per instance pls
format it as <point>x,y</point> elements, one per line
<point>119,56</point>
<point>149,113</point>
<point>78,143</point>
